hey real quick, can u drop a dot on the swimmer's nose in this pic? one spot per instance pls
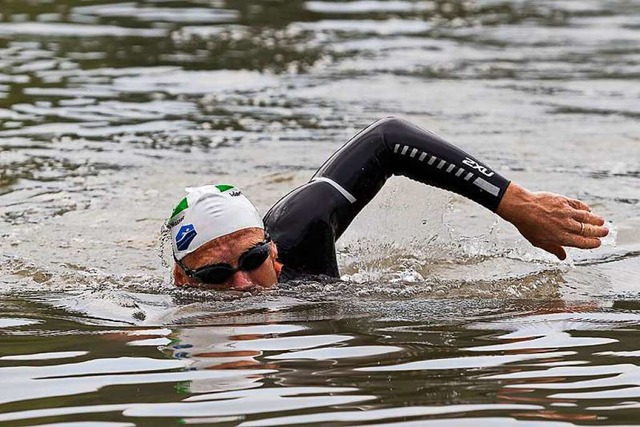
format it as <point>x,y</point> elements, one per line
<point>241,281</point>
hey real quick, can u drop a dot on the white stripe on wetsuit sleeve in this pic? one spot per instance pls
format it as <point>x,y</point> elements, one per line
<point>487,186</point>
<point>338,187</point>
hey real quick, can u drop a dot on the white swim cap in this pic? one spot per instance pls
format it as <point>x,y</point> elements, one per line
<point>209,212</point>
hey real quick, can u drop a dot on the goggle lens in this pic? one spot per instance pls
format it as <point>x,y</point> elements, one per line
<point>219,273</point>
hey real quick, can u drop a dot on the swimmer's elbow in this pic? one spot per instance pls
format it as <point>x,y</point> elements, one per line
<point>392,128</point>
<point>390,124</point>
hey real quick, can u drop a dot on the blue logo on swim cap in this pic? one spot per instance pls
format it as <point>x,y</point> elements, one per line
<point>185,236</point>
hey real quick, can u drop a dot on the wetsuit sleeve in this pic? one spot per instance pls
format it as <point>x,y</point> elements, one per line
<point>307,221</point>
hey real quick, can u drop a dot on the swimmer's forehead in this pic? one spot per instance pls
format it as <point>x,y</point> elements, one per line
<point>226,248</point>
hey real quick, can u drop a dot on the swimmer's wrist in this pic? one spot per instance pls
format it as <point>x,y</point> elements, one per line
<point>514,202</point>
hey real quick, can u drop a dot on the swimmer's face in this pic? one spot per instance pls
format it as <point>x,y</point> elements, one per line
<point>227,250</point>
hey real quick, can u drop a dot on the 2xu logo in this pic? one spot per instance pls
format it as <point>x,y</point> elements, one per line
<point>477,167</point>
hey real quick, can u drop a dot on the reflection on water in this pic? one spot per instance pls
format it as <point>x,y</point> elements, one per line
<point>443,316</point>
<point>574,365</point>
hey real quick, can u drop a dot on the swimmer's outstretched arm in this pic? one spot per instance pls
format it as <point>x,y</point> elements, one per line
<point>393,146</point>
<point>307,221</point>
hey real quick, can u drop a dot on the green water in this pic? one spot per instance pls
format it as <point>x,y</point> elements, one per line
<point>443,316</point>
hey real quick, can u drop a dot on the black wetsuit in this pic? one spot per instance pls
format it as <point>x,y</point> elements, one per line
<point>306,223</point>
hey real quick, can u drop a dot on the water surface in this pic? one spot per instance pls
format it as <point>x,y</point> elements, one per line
<point>443,316</point>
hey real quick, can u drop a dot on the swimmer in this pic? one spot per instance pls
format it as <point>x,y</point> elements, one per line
<point>219,240</point>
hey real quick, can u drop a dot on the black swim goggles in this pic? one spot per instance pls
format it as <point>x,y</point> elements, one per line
<point>217,274</point>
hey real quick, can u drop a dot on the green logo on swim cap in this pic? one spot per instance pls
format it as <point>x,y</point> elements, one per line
<point>184,204</point>
<point>224,187</point>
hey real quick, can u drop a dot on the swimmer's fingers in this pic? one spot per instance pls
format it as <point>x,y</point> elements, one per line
<point>580,235</point>
<point>582,242</point>
<point>577,204</point>
<point>595,231</point>
<point>587,217</point>
<point>555,250</point>
<point>588,230</point>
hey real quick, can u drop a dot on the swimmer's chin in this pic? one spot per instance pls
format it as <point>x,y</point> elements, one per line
<point>252,288</point>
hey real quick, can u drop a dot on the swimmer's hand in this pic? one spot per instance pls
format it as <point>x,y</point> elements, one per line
<point>550,221</point>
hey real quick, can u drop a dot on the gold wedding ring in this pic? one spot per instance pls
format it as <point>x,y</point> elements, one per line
<point>582,228</point>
